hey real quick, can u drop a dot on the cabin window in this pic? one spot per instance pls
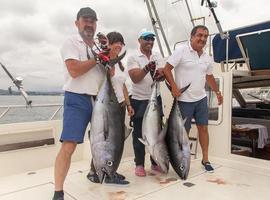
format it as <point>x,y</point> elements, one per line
<point>214,110</point>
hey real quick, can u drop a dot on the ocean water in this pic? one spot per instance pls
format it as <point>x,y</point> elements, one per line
<point>29,114</point>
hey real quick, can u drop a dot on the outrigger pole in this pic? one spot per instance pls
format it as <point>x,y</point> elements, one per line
<point>221,33</point>
<point>211,7</point>
<point>18,84</point>
<point>150,4</point>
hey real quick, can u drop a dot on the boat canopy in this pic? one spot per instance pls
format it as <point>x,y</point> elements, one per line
<point>247,44</point>
<point>255,49</point>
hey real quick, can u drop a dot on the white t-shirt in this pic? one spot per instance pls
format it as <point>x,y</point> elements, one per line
<point>142,90</point>
<point>190,69</point>
<point>88,83</point>
<point>118,81</point>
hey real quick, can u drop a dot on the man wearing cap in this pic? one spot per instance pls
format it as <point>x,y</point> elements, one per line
<point>143,69</point>
<point>83,78</point>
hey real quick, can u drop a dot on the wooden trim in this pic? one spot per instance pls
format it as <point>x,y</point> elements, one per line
<point>260,72</point>
<point>28,144</point>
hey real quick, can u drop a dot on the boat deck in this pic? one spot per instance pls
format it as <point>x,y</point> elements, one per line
<point>231,180</point>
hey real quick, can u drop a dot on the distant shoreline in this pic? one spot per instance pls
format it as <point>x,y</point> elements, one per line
<point>32,93</point>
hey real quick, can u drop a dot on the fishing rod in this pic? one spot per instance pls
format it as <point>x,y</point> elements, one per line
<point>102,50</point>
<point>211,7</point>
<point>18,83</point>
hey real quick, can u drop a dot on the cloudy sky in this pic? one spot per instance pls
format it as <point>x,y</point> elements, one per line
<point>32,31</point>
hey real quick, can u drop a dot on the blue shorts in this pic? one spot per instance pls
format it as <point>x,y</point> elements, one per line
<point>197,110</point>
<point>77,114</point>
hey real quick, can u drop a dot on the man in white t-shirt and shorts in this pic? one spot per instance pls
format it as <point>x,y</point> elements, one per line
<point>83,78</point>
<point>193,66</point>
<point>141,68</point>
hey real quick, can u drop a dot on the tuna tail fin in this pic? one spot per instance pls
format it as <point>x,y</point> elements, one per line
<point>143,141</point>
<point>163,132</point>
<point>127,132</point>
<point>184,121</point>
<point>184,88</point>
<point>168,85</point>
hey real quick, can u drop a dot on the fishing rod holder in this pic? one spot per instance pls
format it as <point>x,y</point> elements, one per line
<point>18,83</point>
<point>211,5</point>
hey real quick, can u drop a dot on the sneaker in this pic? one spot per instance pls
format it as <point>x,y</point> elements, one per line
<point>116,180</point>
<point>59,198</point>
<point>208,167</point>
<point>157,168</point>
<point>120,176</point>
<point>139,171</point>
<point>58,195</point>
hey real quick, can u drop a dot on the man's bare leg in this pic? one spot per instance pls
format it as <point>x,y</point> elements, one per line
<point>62,164</point>
<point>204,141</point>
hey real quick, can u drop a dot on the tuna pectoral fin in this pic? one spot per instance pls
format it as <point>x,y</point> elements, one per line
<point>143,141</point>
<point>106,126</point>
<point>127,131</point>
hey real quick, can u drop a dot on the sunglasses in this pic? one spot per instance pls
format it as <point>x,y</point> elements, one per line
<point>148,38</point>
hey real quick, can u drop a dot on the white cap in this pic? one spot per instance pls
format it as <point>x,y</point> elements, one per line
<point>144,32</point>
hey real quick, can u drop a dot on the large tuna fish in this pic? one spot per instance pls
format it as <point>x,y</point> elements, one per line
<point>107,133</point>
<point>153,137</point>
<point>178,142</point>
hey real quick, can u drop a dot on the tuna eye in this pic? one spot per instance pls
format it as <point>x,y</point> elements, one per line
<point>110,163</point>
<point>182,167</point>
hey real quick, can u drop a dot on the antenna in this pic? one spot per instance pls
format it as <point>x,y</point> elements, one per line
<point>157,26</point>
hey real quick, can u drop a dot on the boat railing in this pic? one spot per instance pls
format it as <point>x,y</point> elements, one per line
<point>50,114</point>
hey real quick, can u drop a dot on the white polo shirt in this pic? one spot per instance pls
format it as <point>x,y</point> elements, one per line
<point>88,83</point>
<point>118,81</point>
<point>142,90</point>
<point>190,69</point>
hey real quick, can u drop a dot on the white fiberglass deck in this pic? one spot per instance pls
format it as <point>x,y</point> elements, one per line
<point>230,181</point>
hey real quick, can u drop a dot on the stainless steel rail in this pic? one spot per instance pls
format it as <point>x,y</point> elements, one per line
<point>7,108</point>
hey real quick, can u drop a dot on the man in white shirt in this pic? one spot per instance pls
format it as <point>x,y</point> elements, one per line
<point>83,78</point>
<point>193,66</point>
<point>141,68</point>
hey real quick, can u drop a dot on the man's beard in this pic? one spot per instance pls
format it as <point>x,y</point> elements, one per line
<point>86,34</point>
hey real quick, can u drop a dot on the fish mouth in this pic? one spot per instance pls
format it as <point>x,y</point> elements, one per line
<point>184,176</point>
<point>183,171</point>
<point>102,175</point>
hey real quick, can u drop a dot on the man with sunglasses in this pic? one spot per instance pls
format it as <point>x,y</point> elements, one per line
<point>143,69</point>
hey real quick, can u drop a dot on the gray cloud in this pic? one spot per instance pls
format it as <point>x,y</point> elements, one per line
<point>28,32</point>
<point>19,8</point>
<point>32,31</point>
<point>230,5</point>
<point>62,21</point>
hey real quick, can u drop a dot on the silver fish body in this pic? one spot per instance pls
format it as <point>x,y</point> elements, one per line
<point>153,136</point>
<point>178,142</point>
<point>107,132</point>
